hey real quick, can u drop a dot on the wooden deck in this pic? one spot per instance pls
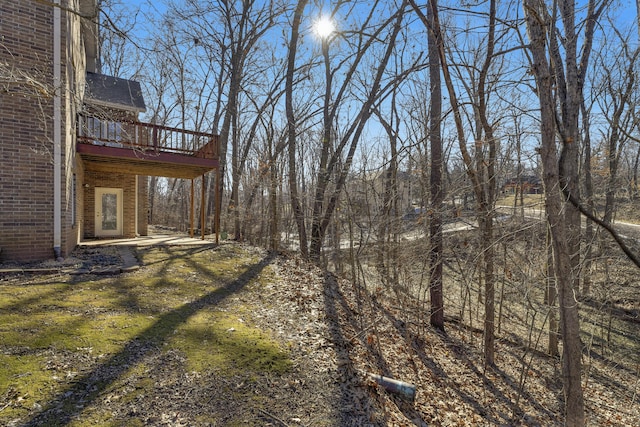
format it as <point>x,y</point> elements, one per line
<point>144,148</point>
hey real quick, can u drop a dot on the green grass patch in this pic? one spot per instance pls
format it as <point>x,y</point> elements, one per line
<point>24,380</point>
<point>221,340</point>
<point>53,333</point>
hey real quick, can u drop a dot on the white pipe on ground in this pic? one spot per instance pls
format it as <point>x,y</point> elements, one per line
<point>404,389</point>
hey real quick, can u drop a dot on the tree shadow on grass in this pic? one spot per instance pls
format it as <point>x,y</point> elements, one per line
<point>173,252</point>
<point>70,402</point>
<point>131,300</point>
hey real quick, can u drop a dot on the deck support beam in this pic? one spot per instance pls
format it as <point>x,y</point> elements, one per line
<point>216,218</point>
<point>202,205</point>
<point>192,210</point>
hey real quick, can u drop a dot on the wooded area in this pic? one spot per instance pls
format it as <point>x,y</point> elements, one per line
<point>407,148</point>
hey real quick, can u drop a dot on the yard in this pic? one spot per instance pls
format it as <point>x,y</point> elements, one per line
<point>177,342</point>
<point>233,335</point>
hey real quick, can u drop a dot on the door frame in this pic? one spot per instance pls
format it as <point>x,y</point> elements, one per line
<point>99,192</point>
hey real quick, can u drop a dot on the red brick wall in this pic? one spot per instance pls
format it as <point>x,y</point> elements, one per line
<point>143,205</point>
<point>26,130</point>
<point>127,183</point>
<point>26,190</point>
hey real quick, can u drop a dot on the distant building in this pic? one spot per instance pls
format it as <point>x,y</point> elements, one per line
<point>528,184</point>
<point>74,159</point>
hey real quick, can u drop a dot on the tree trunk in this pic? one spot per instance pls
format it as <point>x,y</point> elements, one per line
<point>569,323</point>
<point>551,295</point>
<point>386,262</point>
<point>635,188</point>
<point>274,234</point>
<point>234,200</point>
<point>317,232</point>
<point>435,183</point>
<point>570,95</point>
<point>298,214</point>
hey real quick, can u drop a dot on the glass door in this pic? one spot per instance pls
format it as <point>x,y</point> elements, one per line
<point>108,212</point>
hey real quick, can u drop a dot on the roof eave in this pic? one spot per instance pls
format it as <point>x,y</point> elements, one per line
<point>114,106</point>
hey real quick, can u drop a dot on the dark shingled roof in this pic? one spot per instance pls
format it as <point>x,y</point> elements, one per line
<point>114,92</point>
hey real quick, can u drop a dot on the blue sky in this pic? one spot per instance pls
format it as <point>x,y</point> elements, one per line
<point>626,16</point>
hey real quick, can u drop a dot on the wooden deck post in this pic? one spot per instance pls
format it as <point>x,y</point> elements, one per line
<point>192,210</point>
<point>216,215</point>
<point>202,204</point>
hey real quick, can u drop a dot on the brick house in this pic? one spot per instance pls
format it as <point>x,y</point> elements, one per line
<point>74,159</point>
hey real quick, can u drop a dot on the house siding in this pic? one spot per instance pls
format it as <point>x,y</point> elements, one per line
<point>26,204</point>
<point>73,68</point>
<point>95,179</point>
<point>26,129</point>
<point>143,205</point>
<point>116,180</point>
<point>27,178</point>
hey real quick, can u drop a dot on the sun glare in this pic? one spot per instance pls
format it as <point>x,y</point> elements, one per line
<point>324,27</point>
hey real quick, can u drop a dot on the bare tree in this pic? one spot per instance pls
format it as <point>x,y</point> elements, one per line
<point>337,153</point>
<point>481,167</point>
<point>387,233</point>
<point>538,24</point>
<point>617,101</point>
<point>292,127</point>
<point>119,51</point>
<point>435,179</point>
<point>232,32</point>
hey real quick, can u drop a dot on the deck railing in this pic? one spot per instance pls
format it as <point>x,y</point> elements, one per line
<point>145,136</point>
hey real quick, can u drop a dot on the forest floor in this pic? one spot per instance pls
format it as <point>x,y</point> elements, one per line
<point>233,335</point>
